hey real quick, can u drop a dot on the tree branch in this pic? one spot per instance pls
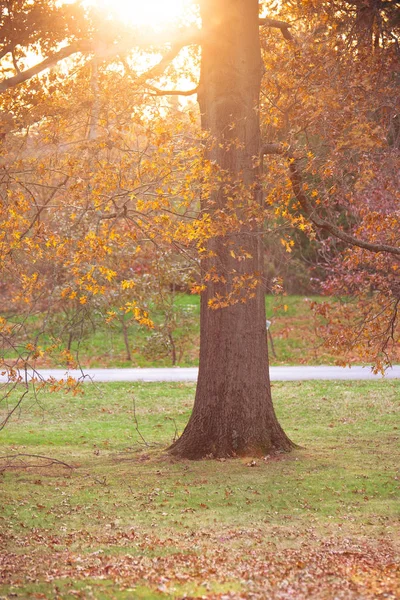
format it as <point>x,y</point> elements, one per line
<point>274,149</point>
<point>158,92</point>
<point>12,411</point>
<point>6,50</point>
<point>47,63</point>
<point>186,38</point>
<point>176,47</point>
<point>40,456</point>
<point>274,23</point>
<point>310,211</point>
<point>41,209</point>
<point>16,67</point>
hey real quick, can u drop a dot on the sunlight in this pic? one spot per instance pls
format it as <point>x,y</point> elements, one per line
<point>155,14</point>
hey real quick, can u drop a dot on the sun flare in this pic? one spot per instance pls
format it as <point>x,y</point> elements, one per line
<point>157,14</point>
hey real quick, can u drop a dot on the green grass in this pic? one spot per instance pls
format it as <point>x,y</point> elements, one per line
<point>129,521</point>
<point>294,334</point>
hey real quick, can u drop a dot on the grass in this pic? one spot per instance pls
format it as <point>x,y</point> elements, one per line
<point>128,521</point>
<point>294,334</point>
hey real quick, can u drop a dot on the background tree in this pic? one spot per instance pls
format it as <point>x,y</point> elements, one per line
<point>337,113</point>
<point>76,207</point>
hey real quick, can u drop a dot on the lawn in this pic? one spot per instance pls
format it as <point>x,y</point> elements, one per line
<point>118,518</point>
<point>295,335</point>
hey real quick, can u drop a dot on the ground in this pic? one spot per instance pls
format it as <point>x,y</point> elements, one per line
<point>124,520</point>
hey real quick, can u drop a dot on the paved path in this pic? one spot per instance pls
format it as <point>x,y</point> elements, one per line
<point>190,374</point>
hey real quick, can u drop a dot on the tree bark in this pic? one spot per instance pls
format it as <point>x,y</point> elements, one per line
<point>233,412</point>
<point>126,338</point>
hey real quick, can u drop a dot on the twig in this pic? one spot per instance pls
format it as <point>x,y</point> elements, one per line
<point>272,343</point>
<point>136,422</point>
<point>176,434</point>
<point>8,417</point>
<point>14,456</point>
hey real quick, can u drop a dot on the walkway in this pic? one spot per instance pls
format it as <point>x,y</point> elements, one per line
<point>190,374</point>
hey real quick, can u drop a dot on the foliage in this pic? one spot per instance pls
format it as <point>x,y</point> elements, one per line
<point>297,335</point>
<point>85,220</point>
<point>103,180</point>
<point>337,115</point>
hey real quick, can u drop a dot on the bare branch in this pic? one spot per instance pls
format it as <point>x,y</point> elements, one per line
<point>136,422</point>
<point>47,63</point>
<point>282,25</point>
<point>12,411</point>
<point>158,92</point>
<point>52,460</point>
<point>166,60</point>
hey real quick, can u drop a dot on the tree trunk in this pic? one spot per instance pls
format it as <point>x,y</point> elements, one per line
<point>126,339</point>
<point>233,412</point>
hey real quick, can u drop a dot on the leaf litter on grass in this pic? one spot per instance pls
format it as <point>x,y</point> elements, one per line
<point>134,523</point>
<point>331,568</point>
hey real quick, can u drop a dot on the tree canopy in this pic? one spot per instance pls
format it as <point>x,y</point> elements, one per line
<point>297,144</point>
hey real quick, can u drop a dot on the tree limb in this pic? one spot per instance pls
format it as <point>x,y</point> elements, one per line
<point>186,38</point>
<point>274,23</point>
<point>310,211</point>
<point>160,67</point>
<point>47,63</point>
<point>12,411</point>
<point>41,209</point>
<point>40,456</point>
<point>158,92</point>
<point>274,149</point>
<point>6,50</point>
<point>15,63</point>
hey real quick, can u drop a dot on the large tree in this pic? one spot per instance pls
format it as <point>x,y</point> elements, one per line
<point>233,412</point>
